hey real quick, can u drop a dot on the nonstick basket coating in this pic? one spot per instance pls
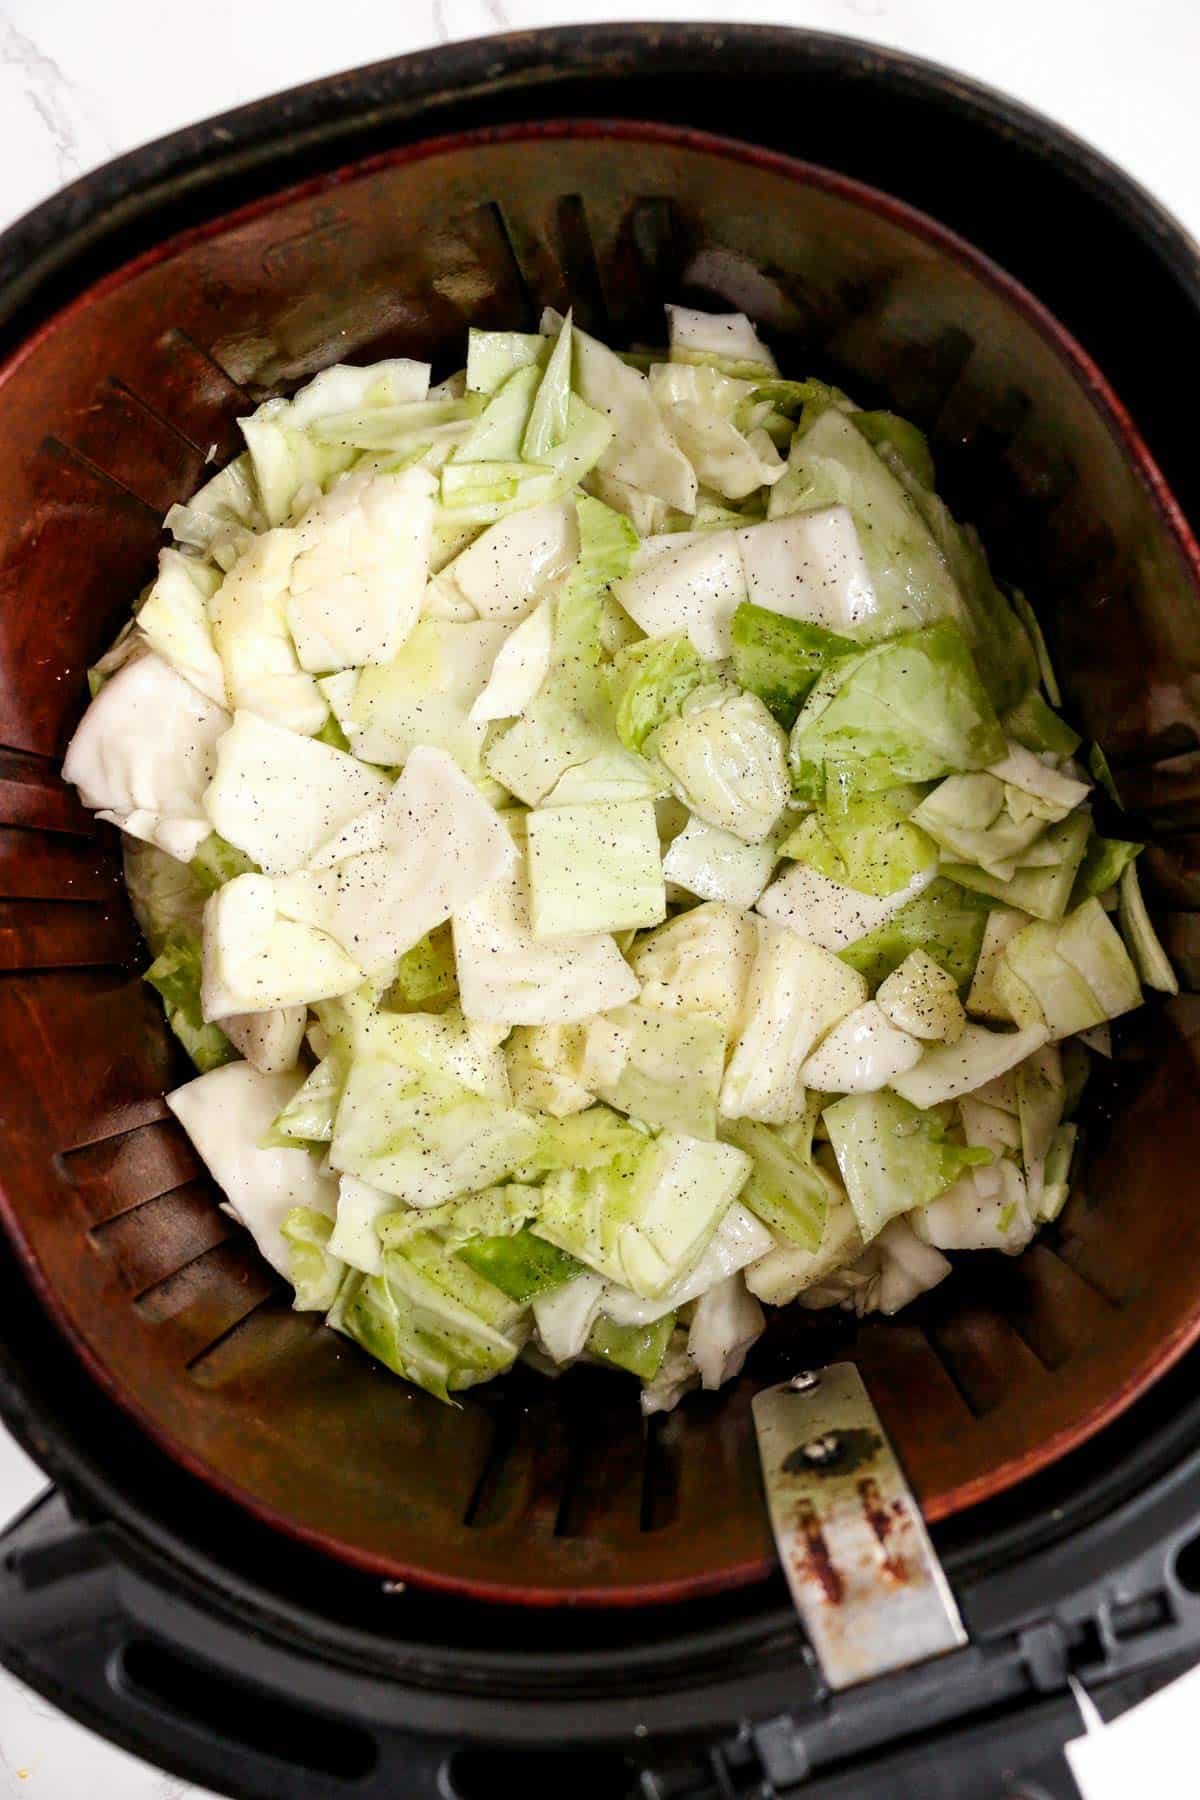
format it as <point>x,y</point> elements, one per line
<point>541,1491</point>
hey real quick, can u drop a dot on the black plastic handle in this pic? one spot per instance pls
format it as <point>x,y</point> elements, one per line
<point>66,1631</point>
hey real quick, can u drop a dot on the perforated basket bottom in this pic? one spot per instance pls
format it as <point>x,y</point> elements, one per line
<point>537,1490</point>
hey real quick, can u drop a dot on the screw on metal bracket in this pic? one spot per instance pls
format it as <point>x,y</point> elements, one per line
<point>805,1382</point>
<point>822,1450</point>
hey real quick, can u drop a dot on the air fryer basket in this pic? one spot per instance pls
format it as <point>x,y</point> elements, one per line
<point>555,1491</point>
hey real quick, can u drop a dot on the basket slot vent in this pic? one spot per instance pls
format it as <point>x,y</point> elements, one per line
<point>659,1501</point>
<point>577,256</point>
<point>119,1173</point>
<point>1054,1311</point>
<point>485,1505</point>
<point>37,934</point>
<point>984,1357</point>
<point>150,1242</point>
<point>208,1295</point>
<point>262,1338</point>
<point>124,439</point>
<point>34,796</point>
<point>36,867</point>
<point>606,1478</point>
<point>1076,1253</point>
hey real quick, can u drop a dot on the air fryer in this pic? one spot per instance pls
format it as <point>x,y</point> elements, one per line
<point>270,1564</point>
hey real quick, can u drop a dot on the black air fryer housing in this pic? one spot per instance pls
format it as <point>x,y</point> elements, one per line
<point>170,1618</point>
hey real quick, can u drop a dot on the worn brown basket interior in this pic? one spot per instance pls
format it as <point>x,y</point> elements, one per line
<point>536,1489</point>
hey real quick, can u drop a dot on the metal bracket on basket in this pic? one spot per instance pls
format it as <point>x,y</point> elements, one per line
<point>866,1580</point>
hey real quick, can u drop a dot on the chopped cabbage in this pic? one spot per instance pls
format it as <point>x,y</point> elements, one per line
<point>173,619</point>
<point>508,975</point>
<point>256,960</point>
<point>716,865</point>
<point>595,868</point>
<point>829,913</point>
<point>250,628</point>
<point>863,1052</point>
<point>892,1156</point>
<point>144,753</point>
<point>699,963</point>
<point>661,1068</point>
<point>726,756</point>
<point>779,658</point>
<point>278,796</point>
<point>796,993</point>
<point>922,998</point>
<point>227,1114</point>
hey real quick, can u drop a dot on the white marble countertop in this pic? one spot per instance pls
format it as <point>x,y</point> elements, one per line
<point>81,82</point>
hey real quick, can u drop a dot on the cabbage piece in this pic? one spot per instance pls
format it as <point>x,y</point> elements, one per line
<point>508,975</point>
<point>1152,961</point>
<point>892,1156</point>
<point>227,1114</point>
<point>564,1317</point>
<point>497,434</point>
<point>249,618</point>
<point>779,658</point>
<point>642,453</point>
<point>173,618</point>
<point>967,817</point>
<point>985,1209</point>
<point>220,515</point>
<point>686,581</point>
<point>314,1271</point>
<point>522,664</point>
<point>517,561</point>
<point>433,1320</point>
<point>355,1237</point>
<point>492,356</point>
<point>175,974</point>
<point>830,914</point>
<point>902,439</point>
<point>522,1265</point>
<point>911,709</point>
<point>810,566</point>
<point>425,978</point>
<point>1059,793</point>
<point>595,868</point>
<point>788,1268</point>
<point>716,865</point>
<point>1071,974</point>
<point>869,842</point>
<point>545,1069</point>
<point>277,796</point>
<point>677,1375</point>
<point>725,341</point>
<point>941,919</point>
<point>726,1323</point>
<point>786,1189</point>
<point>702,408</point>
<point>922,998</point>
<point>611,775</point>
<point>423,1136</point>
<point>739,1240</point>
<point>832,464</point>
<point>978,1056</point>
<point>269,1041</point>
<point>256,960</point>
<point>309,1114</point>
<point>428,848</point>
<point>1104,862</point>
<point>167,896</point>
<point>286,461</point>
<point>129,643</point>
<point>699,963</point>
<point>1033,724</point>
<point>144,752</point>
<point>636,1348</point>
<point>217,862</point>
<point>423,696</point>
<point>863,1052</point>
<point>1044,890</point>
<point>661,1068</point>
<point>570,720</point>
<point>1056,1173</point>
<point>728,760</point>
<point>645,1219</point>
<point>1029,620</point>
<point>796,993</point>
<point>1041,1098</point>
<point>547,424</point>
<point>650,681</point>
<point>1003,924</point>
<point>361,564</point>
